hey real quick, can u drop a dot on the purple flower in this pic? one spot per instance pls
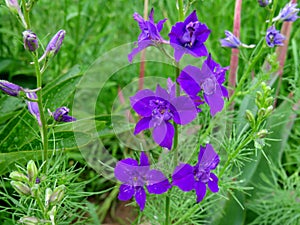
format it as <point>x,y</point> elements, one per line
<point>264,3</point>
<point>158,108</point>
<point>33,106</point>
<point>54,45</point>
<point>150,35</point>
<point>10,88</point>
<point>231,41</point>
<point>274,37</point>
<point>289,13</point>
<point>135,176</point>
<point>187,177</point>
<point>61,115</point>
<point>188,37</point>
<point>30,40</point>
<point>209,79</point>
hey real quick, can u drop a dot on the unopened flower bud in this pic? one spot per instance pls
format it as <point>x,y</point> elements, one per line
<point>35,190</point>
<point>61,115</point>
<point>17,176</point>
<point>54,45</point>
<point>269,110</point>
<point>264,3</point>
<point>33,107</point>
<point>10,88</point>
<point>261,113</point>
<point>47,197</point>
<point>250,118</point>
<point>21,188</point>
<point>52,214</point>
<point>263,133</point>
<point>29,220</point>
<point>14,6</point>
<point>269,101</point>
<point>58,194</point>
<point>30,40</point>
<point>32,171</point>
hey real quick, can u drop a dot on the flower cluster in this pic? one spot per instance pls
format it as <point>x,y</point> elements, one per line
<point>162,109</point>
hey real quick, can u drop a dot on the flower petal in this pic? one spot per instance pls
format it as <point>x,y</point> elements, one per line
<point>140,197</point>
<point>213,183</point>
<point>183,177</point>
<point>141,45</point>
<point>157,182</point>
<point>163,134</point>
<point>144,161</point>
<point>184,110</point>
<point>208,158</point>
<point>215,101</point>
<point>143,124</point>
<point>140,102</point>
<point>200,190</point>
<point>189,80</point>
<point>124,168</point>
<point>162,93</point>
<point>126,192</point>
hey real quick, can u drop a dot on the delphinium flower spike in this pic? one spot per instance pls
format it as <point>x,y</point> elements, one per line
<point>288,13</point>
<point>188,37</point>
<point>274,37</point>
<point>231,41</point>
<point>135,176</point>
<point>150,35</point>
<point>54,45</point>
<point>187,177</point>
<point>209,79</point>
<point>61,115</point>
<point>158,109</point>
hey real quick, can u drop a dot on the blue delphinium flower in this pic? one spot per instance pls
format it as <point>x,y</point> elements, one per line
<point>288,13</point>
<point>264,3</point>
<point>158,109</point>
<point>188,37</point>
<point>187,177</point>
<point>274,37</point>
<point>231,41</point>
<point>209,79</point>
<point>61,115</point>
<point>136,176</point>
<point>10,88</point>
<point>33,106</point>
<point>150,35</point>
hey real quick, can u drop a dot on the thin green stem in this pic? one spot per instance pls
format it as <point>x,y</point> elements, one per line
<point>167,222</point>
<point>180,10</point>
<point>44,128</point>
<point>26,15</point>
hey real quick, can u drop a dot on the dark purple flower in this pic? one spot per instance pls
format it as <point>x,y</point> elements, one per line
<point>30,40</point>
<point>33,106</point>
<point>264,3</point>
<point>158,108</point>
<point>274,37</point>
<point>10,88</point>
<point>289,13</point>
<point>188,37</point>
<point>61,115</point>
<point>150,35</point>
<point>209,79</point>
<point>187,177</point>
<point>54,45</point>
<point>136,176</point>
<point>231,41</point>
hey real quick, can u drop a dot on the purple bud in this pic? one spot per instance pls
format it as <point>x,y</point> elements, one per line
<point>10,88</point>
<point>54,45</point>
<point>14,6</point>
<point>289,13</point>
<point>274,37</point>
<point>33,106</point>
<point>61,115</point>
<point>30,40</point>
<point>264,3</point>
<point>230,41</point>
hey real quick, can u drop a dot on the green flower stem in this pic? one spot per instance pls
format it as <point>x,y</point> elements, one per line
<point>168,219</point>
<point>44,128</point>
<point>26,15</point>
<point>180,10</point>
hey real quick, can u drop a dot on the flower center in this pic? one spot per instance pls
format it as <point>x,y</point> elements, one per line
<point>160,111</point>
<point>201,175</point>
<point>209,86</point>
<point>189,36</point>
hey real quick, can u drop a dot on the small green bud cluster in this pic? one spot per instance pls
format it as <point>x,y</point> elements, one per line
<point>26,184</point>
